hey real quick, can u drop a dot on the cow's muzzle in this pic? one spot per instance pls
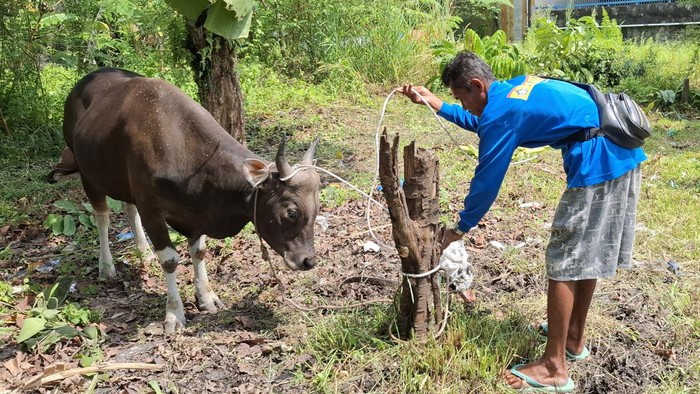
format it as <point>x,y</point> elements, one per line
<point>300,263</point>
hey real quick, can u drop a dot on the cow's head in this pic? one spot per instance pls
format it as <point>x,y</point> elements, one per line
<point>287,205</point>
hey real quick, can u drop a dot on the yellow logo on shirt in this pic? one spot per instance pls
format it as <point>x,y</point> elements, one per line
<point>522,92</point>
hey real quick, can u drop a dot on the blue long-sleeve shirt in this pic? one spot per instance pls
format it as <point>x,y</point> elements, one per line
<point>532,112</point>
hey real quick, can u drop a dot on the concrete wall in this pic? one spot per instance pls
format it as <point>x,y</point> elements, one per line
<point>663,21</point>
<point>515,20</point>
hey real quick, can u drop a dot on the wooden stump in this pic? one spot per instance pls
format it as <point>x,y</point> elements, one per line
<point>414,211</point>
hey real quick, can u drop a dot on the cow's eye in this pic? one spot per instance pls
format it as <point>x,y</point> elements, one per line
<point>293,214</point>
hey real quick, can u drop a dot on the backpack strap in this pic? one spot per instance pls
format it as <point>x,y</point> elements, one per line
<point>584,135</point>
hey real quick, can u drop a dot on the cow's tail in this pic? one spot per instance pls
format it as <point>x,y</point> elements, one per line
<point>65,167</point>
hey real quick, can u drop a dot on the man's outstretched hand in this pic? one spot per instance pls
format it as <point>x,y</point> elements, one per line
<point>415,92</point>
<point>449,237</point>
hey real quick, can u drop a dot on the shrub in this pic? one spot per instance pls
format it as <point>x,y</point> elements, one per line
<point>583,50</point>
<point>504,58</point>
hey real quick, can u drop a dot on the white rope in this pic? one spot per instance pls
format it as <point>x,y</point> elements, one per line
<point>376,170</point>
<point>424,274</point>
<point>371,200</point>
<point>353,187</point>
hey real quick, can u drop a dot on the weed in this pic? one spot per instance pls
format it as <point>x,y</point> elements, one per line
<point>51,320</point>
<point>334,195</point>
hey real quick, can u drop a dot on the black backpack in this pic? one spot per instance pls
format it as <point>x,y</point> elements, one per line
<point>621,119</point>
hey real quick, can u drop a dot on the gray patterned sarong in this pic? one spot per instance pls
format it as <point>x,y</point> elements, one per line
<point>593,230</point>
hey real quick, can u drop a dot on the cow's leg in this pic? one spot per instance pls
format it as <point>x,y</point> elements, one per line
<point>101,212</point>
<point>174,310</point>
<point>132,215</point>
<point>106,265</point>
<point>169,259</point>
<point>207,300</point>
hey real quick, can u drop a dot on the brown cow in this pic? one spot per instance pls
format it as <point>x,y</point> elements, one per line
<point>144,142</point>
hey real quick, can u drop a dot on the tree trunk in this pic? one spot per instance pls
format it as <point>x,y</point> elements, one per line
<point>217,78</point>
<point>414,212</point>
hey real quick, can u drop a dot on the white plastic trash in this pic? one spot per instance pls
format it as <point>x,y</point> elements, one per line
<point>322,221</point>
<point>455,263</point>
<point>370,246</point>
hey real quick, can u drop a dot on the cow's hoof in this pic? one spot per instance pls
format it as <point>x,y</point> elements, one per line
<point>108,273</point>
<point>209,303</point>
<point>173,324</point>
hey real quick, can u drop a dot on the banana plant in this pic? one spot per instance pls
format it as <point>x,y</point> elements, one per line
<point>227,18</point>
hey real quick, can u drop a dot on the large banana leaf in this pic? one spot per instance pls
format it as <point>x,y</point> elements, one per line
<point>227,18</point>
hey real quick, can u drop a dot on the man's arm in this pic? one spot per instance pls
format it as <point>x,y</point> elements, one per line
<point>496,149</point>
<point>459,116</point>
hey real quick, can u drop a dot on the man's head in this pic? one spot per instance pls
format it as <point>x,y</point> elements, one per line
<point>469,78</point>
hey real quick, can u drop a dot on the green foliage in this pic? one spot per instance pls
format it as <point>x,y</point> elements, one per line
<point>5,296</point>
<point>335,195</point>
<point>378,41</point>
<point>654,72</point>
<point>663,97</point>
<point>583,51</point>
<point>480,15</point>
<point>66,223</point>
<point>73,216</point>
<point>503,57</point>
<point>46,47</point>
<point>227,18</point>
<point>52,320</point>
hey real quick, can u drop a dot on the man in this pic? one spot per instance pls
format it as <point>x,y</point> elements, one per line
<point>593,227</point>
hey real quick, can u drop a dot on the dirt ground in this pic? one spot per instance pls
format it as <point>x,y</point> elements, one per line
<point>253,346</point>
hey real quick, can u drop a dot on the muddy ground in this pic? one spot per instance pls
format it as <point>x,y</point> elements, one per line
<point>255,345</point>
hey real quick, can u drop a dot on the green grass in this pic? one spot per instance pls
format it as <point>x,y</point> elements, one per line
<point>657,66</point>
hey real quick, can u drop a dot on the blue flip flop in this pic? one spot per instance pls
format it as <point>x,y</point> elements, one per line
<point>577,357</point>
<point>537,387</point>
<point>543,329</point>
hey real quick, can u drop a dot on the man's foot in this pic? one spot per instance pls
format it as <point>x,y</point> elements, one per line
<point>536,377</point>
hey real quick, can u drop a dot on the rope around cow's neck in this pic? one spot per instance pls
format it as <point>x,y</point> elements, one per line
<point>263,249</point>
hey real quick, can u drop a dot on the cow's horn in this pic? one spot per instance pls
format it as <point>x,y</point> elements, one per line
<point>308,158</point>
<point>283,167</point>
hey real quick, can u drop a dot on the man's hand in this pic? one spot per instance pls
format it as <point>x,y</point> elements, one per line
<point>449,237</point>
<point>415,92</point>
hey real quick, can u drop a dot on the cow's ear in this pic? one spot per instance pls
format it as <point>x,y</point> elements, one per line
<point>256,172</point>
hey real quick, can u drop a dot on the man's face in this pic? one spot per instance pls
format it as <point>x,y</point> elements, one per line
<point>474,99</point>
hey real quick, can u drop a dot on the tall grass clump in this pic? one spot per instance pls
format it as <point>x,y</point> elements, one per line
<point>654,71</point>
<point>352,350</point>
<point>376,41</point>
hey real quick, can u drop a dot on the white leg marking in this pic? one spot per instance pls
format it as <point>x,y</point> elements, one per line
<point>132,214</point>
<point>174,310</point>
<point>206,298</point>
<point>106,266</point>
